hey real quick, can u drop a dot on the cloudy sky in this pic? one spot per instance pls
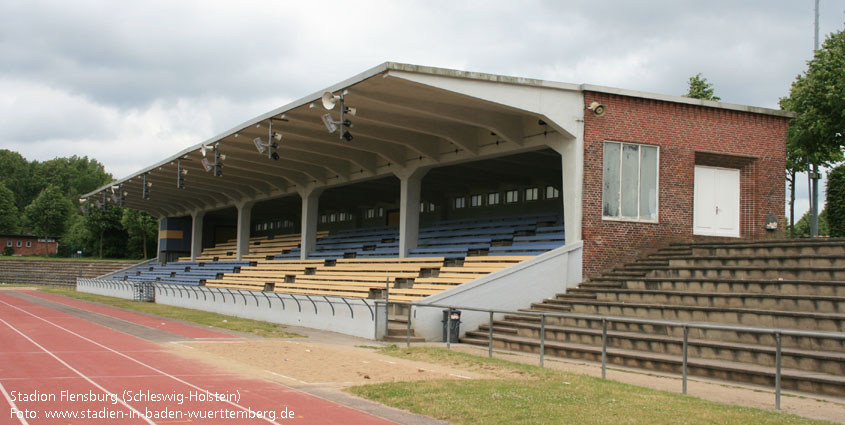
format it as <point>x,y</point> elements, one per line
<point>129,83</point>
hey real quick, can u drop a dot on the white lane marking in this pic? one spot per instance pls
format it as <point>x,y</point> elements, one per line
<point>91,381</point>
<point>460,376</point>
<point>132,359</point>
<point>12,403</point>
<point>286,377</point>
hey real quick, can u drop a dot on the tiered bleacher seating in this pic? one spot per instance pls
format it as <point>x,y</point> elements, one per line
<point>521,235</point>
<point>408,279</point>
<point>182,272</point>
<point>260,248</point>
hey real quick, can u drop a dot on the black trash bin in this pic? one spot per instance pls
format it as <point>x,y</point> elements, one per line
<point>456,325</point>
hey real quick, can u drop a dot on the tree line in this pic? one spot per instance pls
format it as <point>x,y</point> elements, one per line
<point>42,199</point>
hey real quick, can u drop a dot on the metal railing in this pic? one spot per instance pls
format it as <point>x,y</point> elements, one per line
<point>605,320</point>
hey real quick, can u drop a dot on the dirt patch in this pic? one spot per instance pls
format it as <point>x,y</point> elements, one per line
<point>311,363</point>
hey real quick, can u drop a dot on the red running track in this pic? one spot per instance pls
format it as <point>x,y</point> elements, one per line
<point>53,363</point>
<point>177,328</point>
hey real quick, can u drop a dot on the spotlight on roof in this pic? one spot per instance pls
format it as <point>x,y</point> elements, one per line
<point>346,136</point>
<point>203,150</point>
<point>274,156</point>
<point>329,123</point>
<point>277,136</point>
<point>259,145</point>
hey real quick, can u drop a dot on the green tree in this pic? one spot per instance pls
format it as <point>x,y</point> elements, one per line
<point>19,176</point>
<point>836,201</point>
<point>816,134</point>
<point>802,227</point>
<point>9,221</point>
<point>74,175</point>
<point>104,227</point>
<point>141,228</point>
<point>699,88</point>
<point>47,215</point>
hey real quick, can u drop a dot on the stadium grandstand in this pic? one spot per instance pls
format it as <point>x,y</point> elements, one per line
<point>440,187</point>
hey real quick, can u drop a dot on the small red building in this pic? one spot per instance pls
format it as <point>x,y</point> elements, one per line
<point>29,245</point>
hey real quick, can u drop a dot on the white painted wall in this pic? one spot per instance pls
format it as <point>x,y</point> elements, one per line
<point>326,313</point>
<point>509,289</point>
<point>107,287</point>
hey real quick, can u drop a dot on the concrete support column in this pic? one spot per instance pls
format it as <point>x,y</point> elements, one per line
<point>244,213</point>
<point>158,238</point>
<point>572,166</point>
<point>196,234</point>
<point>310,205</point>
<point>409,209</point>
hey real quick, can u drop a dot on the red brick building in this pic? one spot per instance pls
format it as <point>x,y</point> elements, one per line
<point>29,245</point>
<point>688,138</point>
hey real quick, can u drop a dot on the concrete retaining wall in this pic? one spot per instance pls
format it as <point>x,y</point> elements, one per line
<point>107,287</point>
<point>343,315</point>
<point>509,289</point>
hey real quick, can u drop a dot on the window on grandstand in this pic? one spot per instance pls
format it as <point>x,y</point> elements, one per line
<point>381,212</point>
<point>371,212</point>
<point>431,207</point>
<point>341,217</point>
<point>629,181</point>
<point>552,192</point>
<point>511,196</point>
<point>265,226</point>
<point>29,244</point>
<point>288,223</point>
<point>475,201</point>
<point>279,224</point>
<point>493,198</point>
<point>422,206</point>
<point>531,194</point>
<point>258,227</point>
<point>332,217</point>
<point>272,225</point>
<point>324,219</point>
<point>460,202</point>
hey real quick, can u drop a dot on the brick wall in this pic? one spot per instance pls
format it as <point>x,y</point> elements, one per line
<point>35,248</point>
<point>687,135</point>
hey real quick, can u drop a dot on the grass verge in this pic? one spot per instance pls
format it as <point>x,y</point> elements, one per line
<point>255,327</point>
<point>549,397</point>
<point>52,258</point>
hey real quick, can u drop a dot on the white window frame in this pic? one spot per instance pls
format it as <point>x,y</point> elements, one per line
<point>515,194</point>
<point>371,213</point>
<point>535,192</point>
<point>555,191</point>
<point>459,202</point>
<point>10,243</point>
<point>480,199</point>
<point>29,244</point>
<point>654,220</point>
<point>19,244</point>
<point>494,197</point>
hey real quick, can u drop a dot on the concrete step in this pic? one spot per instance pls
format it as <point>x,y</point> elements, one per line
<point>825,261</point>
<point>749,272</point>
<point>823,322</point>
<point>717,369</point>
<point>767,286</point>
<point>781,247</point>
<point>799,359</point>
<point>758,301</point>
<point>743,337</point>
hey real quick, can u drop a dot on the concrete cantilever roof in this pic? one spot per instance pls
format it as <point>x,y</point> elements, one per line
<point>402,122</point>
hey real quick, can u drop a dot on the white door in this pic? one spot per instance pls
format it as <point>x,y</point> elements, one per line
<point>716,202</point>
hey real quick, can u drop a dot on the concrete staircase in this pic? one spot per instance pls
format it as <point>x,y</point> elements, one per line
<point>789,284</point>
<point>55,272</point>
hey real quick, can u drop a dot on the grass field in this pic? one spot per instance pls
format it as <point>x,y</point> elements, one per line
<point>549,397</point>
<point>262,329</point>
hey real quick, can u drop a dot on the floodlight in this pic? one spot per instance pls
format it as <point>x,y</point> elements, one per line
<point>277,136</point>
<point>206,165</point>
<point>114,198</point>
<point>350,110</point>
<point>274,156</point>
<point>221,157</point>
<point>329,122</point>
<point>346,136</point>
<point>330,100</point>
<point>81,200</point>
<point>203,149</point>
<point>184,171</point>
<point>259,144</point>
